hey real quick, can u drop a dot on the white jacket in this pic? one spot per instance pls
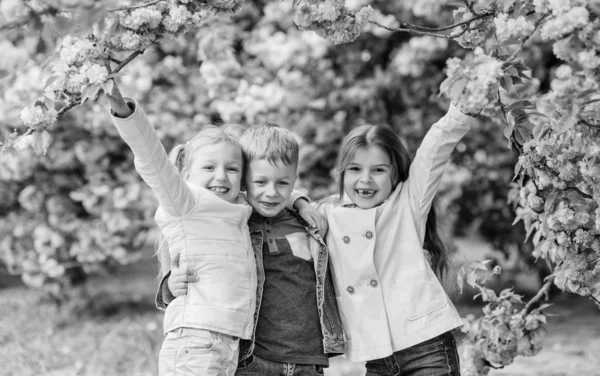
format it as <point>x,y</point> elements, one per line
<point>210,235</point>
<point>388,296</point>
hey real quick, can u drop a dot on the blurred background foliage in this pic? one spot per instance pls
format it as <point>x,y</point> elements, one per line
<point>82,208</point>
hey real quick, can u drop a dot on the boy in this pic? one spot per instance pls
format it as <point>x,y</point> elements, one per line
<point>292,335</point>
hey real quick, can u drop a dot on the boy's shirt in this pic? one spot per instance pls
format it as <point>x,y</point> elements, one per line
<point>288,328</point>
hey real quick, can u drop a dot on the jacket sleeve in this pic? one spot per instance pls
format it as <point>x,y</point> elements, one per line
<point>432,157</point>
<point>152,163</point>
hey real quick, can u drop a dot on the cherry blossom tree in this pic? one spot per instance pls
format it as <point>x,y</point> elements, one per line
<point>71,204</point>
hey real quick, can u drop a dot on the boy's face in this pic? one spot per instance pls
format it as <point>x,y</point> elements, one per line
<point>269,186</point>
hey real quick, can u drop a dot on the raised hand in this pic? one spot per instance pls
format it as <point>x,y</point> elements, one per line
<point>117,102</point>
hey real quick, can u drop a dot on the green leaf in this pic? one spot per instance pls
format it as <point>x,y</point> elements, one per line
<point>460,279</point>
<point>41,141</point>
<point>457,89</point>
<point>108,86</point>
<point>522,134</point>
<point>90,92</point>
<point>472,278</point>
<point>520,105</point>
<point>567,120</point>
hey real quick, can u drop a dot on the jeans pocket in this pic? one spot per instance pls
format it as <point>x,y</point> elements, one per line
<point>198,341</point>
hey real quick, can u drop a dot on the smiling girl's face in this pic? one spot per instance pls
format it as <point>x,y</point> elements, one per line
<point>368,177</point>
<point>217,168</point>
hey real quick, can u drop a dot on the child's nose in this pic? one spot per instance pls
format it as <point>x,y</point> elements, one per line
<point>270,190</point>
<point>220,174</point>
<point>366,177</point>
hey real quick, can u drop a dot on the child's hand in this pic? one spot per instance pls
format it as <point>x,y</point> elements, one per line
<point>311,216</point>
<point>179,278</point>
<point>117,103</point>
<point>465,110</point>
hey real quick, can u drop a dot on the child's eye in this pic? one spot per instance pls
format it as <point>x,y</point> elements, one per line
<point>353,168</point>
<point>233,169</point>
<point>284,183</point>
<point>208,168</point>
<point>259,182</point>
<point>379,170</point>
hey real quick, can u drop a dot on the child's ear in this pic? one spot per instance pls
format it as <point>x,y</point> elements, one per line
<point>185,173</point>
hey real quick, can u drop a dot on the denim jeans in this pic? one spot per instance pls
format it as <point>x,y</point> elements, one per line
<point>256,366</point>
<point>435,357</point>
<point>187,351</point>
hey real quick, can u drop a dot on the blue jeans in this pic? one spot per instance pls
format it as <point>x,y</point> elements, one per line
<point>255,366</point>
<point>435,357</point>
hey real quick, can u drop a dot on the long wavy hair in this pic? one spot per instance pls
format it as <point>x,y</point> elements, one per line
<point>182,156</point>
<point>386,139</point>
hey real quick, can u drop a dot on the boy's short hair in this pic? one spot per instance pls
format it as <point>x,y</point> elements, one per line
<point>271,142</point>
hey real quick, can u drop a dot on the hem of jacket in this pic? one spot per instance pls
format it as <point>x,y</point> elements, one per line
<point>401,343</point>
<point>208,318</point>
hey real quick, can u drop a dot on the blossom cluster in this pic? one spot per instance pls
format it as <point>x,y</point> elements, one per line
<point>331,20</point>
<point>503,332</point>
<point>512,28</point>
<point>412,58</point>
<point>474,81</point>
<point>561,203</point>
<point>565,23</point>
<point>477,32</point>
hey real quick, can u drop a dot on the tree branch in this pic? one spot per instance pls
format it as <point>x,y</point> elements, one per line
<point>128,60</point>
<point>540,294</point>
<point>150,3</point>
<point>30,16</point>
<point>516,52</point>
<point>67,107</point>
<point>432,31</point>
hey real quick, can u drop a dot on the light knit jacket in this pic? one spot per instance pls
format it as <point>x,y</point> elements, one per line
<point>388,296</point>
<point>210,235</point>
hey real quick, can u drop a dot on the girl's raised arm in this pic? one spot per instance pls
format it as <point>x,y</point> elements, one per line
<point>151,160</point>
<point>432,157</point>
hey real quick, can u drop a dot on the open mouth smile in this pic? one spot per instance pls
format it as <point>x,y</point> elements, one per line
<point>219,190</point>
<point>365,193</point>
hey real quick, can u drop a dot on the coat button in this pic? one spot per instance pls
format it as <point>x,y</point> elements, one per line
<point>346,239</point>
<point>350,289</point>
<point>369,234</point>
<point>374,283</point>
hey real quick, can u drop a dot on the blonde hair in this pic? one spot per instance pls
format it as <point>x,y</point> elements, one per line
<point>271,142</point>
<point>181,156</point>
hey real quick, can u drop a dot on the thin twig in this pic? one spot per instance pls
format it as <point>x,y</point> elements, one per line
<point>416,29</point>
<point>128,60</point>
<point>30,16</point>
<point>540,294</point>
<point>66,108</point>
<point>594,299</point>
<point>516,52</point>
<point>114,60</point>
<point>150,3</point>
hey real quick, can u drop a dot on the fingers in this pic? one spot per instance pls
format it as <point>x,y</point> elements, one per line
<point>175,262</point>
<point>185,278</point>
